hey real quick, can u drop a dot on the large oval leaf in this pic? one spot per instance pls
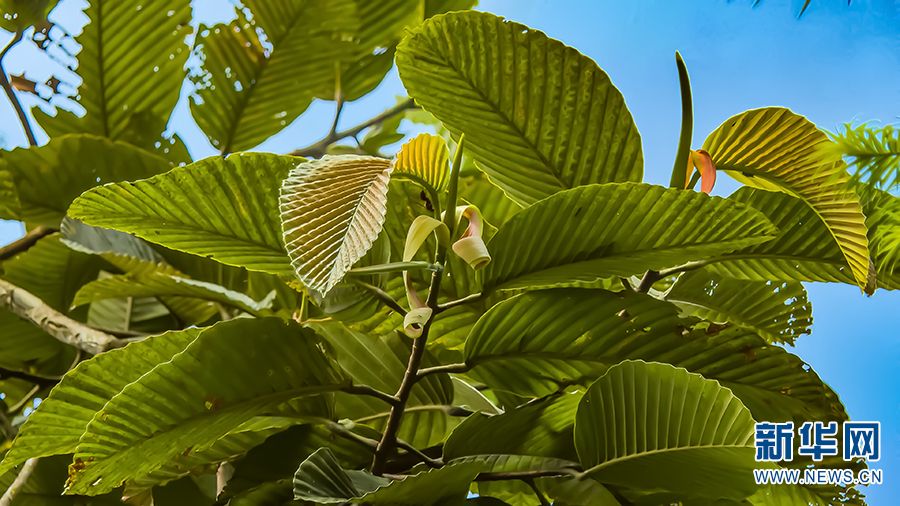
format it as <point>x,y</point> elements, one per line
<point>538,116</point>
<point>780,312</point>
<point>332,210</point>
<point>588,233</point>
<point>231,372</point>
<point>774,148</point>
<point>58,423</point>
<point>44,180</point>
<point>804,249</point>
<point>222,208</point>
<point>131,65</point>
<point>537,342</point>
<point>655,426</point>
<point>259,74</point>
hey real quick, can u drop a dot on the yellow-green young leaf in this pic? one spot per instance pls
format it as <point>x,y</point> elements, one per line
<point>332,210</point>
<point>779,312</point>
<point>617,229</point>
<point>537,342</point>
<point>260,72</point>
<point>225,209</point>
<point>132,65</point>
<point>776,149</point>
<point>655,426</point>
<point>41,182</point>
<point>425,157</point>
<point>232,372</point>
<point>539,117</point>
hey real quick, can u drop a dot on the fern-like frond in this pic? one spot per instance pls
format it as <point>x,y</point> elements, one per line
<point>873,153</point>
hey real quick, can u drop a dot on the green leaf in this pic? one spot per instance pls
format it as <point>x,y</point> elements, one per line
<point>332,210</point>
<point>493,203</point>
<point>261,71</point>
<point>873,153</point>
<point>131,64</point>
<point>48,178</point>
<point>538,116</point>
<point>58,423</point>
<point>776,149</point>
<point>160,284</point>
<point>804,250</point>
<point>425,157</point>
<point>778,312</point>
<point>380,362</point>
<point>616,230</point>
<point>225,209</point>
<point>540,429</point>
<point>655,426</point>
<point>218,382</point>
<point>537,342</point>
<point>17,15</point>
<point>321,479</point>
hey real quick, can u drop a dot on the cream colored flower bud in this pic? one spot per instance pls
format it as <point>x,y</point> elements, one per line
<point>415,320</point>
<point>473,250</point>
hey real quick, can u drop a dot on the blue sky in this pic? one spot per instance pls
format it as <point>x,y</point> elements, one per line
<point>837,64</point>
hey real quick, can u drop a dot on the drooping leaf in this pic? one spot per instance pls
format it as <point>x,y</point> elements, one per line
<point>332,210</point>
<point>131,65</point>
<point>156,284</point>
<point>130,314</point>
<point>655,426</point>
<point>778,311</point>
<point>537,342</point>
<point>538,116</point>
<point>48,178</point>
<point>321,479</point>
<point>776,149</point>
<point>231,372</point>
<point>425,157</point>
<point>380,362</point>
<point>804,250</point>
<point>261,71</point>
<point>221,208</point>
<point>619,229</point>
<point>58,423</point>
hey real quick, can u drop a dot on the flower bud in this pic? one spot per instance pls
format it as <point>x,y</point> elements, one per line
<point>415,320</point>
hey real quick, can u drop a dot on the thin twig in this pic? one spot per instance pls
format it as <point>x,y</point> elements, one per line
<point>11,93</point>
<point>524,475</point>
<point>428,461</point>
<point>446,368</point>
<point>381,295</point>
<point>24,243</point>
<point>15,408</point>
<point>318,149</point>
<point>468,299</point>
<point>371,392</point>
<point>19,482</point>
<point>647,281</point>
<point>29,307</point>
<point>537,492</point>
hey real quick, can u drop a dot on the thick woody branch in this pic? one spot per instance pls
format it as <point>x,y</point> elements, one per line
<point>29,307</point>
<point>22,245</point>
<point>19,482</point>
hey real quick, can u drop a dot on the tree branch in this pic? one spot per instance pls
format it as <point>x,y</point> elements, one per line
<point>381,295</point>
<point>448,368</point>
<point>29,307</point>
<point>537,492</point>
<point>318,149</point>
<point>19,482</point>
<point>647,281</point>
<point>389,439</point>
<point>524,475</point>
<point>371,392</point>
<point>11,93</point>
<point>23,244</point>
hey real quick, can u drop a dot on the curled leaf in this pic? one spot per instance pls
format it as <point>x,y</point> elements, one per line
<point>703,163</point>
<point>421,228</point>
<point>470,247</point>
<point>415,320</point>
